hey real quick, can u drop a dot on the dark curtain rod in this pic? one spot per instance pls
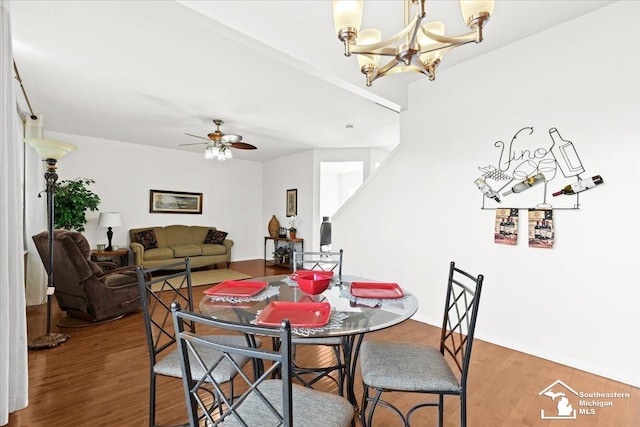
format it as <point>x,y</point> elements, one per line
<point>15,68</point>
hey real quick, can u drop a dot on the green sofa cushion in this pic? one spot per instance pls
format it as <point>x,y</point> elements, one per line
<point>181,251</point>
<point>158,253</point>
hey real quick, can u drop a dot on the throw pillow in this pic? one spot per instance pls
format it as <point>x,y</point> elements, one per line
<point>146,238</point>
<point>215,237</point>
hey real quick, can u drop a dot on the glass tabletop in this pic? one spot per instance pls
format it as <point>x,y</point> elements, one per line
<point>357,315</point>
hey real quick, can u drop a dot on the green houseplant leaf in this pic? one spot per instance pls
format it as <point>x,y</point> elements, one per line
<point>72,199</point>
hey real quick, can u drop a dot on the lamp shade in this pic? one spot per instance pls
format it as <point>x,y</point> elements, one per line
<point>347,14</point>
<point>472,8</point>
<point>109,219</point>
<point>369,36</point>
<point>49,148</point>
<point>435,27</point>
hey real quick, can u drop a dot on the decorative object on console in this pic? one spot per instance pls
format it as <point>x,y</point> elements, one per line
<point>273,227</point>
<point>325,233</point>
<point>292,202</point>
<point>161,201</point>
<point>219,144</point>
<point>292,227</point>
<point>282,232</point>
<point>51,151</point>
<point>109,220</point>
<point>417,48</point>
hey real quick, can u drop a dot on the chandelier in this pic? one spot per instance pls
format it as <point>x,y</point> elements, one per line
<point>418,48</point>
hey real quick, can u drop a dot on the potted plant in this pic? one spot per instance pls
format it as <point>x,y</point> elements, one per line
<point>292,227</point>
<point>71,201</point>
<point>281,255</point>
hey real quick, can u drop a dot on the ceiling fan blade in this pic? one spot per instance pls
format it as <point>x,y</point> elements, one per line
<point>197,136</point>
<point>243,146</point>
<point>195,143</point>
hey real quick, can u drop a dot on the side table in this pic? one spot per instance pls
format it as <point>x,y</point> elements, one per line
<point>290,243</point>
<point>119,256</point>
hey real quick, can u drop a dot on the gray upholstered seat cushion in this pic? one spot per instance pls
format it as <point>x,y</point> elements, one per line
<point>169,365</point>
<point>406,367</point>
<point>311,408</point>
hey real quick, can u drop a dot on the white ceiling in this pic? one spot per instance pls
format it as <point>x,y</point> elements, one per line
<point>147,72</point>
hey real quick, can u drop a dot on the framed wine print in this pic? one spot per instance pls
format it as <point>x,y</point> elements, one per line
<point>161,201</point>
<point>292,202</point>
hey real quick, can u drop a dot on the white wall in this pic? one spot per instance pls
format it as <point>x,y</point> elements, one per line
<point>577,303</point>
<point>124,174</point>
<point>280,175</point>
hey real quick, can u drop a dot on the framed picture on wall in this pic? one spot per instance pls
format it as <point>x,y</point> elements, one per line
<point>292,202</point>
<point>161,201</point>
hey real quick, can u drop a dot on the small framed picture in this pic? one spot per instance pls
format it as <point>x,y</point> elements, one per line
<point>292,202</point>
<point>161,201</point>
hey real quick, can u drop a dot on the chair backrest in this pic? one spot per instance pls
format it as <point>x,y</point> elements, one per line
<point>72,267</point>
<point>156,296</point>
<point>460,314</point>
<point>262,400</point>
<point>324,261</point>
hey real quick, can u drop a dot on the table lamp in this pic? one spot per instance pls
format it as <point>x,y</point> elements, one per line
<point>50,151</point>
<point>109,219</point>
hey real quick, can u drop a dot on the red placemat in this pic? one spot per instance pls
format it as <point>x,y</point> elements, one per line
<point>300,314</point>
<point>236,288</point>
<point>376,290</point>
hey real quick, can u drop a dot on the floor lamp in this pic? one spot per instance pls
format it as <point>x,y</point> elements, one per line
<point>50,151</point>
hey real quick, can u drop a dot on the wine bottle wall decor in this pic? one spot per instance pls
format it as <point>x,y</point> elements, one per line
<point>532,166</point>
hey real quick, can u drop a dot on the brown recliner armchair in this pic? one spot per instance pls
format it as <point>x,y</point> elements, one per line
<point>82,287</point>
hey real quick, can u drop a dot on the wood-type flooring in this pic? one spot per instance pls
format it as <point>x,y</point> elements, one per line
<point>100,377</point>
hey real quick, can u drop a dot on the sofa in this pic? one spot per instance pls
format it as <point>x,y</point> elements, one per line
<point>158,246</point>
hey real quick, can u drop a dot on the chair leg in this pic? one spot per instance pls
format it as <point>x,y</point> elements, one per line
<point>440,410</point>
<point>463,409</point>
<point>374,403</point>
<point>152,400</point>
<point>363,405</point>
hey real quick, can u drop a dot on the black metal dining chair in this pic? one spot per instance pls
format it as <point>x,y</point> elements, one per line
<point>336,371</point>
<point>398,367</point>
<point>267,398</point>
<point>157,294</point>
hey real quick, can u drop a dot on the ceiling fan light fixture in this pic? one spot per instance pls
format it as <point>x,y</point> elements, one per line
<point>208,153</point>
<point>219,145</point>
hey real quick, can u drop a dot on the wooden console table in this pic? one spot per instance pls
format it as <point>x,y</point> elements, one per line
<point>278,242</point>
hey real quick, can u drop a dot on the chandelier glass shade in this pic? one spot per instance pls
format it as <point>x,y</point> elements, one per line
<point>418,48</point>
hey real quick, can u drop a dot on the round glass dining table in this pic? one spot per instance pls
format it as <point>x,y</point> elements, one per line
<point>356,316</point>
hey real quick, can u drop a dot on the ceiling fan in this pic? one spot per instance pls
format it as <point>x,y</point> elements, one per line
<point>218,143</point>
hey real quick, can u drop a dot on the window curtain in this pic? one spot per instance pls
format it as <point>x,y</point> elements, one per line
<point>13,322</point>
<point>35,219</point>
